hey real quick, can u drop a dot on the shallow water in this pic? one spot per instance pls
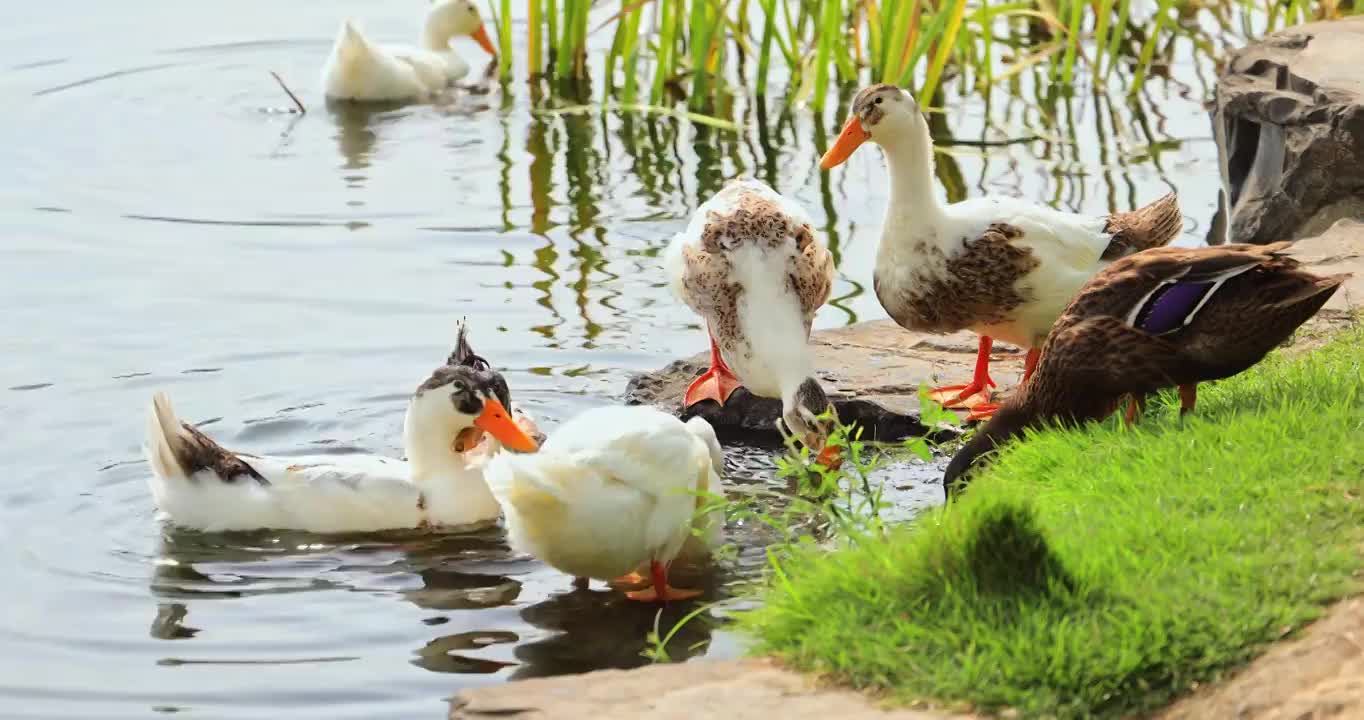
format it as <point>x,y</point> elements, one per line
<point>289,280</point>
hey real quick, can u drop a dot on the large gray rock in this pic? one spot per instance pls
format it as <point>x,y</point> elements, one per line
<point>871,371</point>
<point>1289,121</point>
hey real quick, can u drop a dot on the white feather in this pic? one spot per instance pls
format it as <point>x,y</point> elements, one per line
<point>610,490</point>
<point>359,69</point>
<point>769,352</point>
<point>321,494</point>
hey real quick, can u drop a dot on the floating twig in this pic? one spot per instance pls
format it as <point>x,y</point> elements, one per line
<point>297,103</point>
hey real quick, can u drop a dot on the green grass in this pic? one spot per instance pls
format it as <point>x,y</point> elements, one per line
<point>1100,572</point>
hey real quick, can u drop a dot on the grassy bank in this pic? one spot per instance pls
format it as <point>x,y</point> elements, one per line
<point>1103,571</point>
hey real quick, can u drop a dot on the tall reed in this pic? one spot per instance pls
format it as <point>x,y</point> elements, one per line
<point>686,48</point>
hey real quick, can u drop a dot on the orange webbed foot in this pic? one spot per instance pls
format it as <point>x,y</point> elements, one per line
<point>714,384</point>
<point>983,411</point>
<point>670,593</point>
<point>961,396</point>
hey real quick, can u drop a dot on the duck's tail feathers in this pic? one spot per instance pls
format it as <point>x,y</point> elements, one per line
<point>163,438</point>
<point>176,450</point>
<point>350,42</point>
<point>1152,226</point>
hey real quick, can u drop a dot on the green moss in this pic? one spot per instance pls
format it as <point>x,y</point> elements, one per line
<point>1101,571</point>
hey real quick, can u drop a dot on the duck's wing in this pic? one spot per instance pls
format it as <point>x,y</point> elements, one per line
<point>1107,357</point>
<point>1162,289</point>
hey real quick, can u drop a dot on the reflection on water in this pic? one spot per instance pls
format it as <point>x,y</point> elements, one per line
<point>290,278</point>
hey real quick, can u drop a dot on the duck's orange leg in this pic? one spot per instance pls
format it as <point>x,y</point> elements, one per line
<point>975,392</point>
<point>661,592</point>
<point>1188,396</point>
<point>1136,405</point>
<point>717,383</point>
<point>1030,363</point>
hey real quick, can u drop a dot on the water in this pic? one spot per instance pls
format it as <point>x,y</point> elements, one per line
<point>289,280</point>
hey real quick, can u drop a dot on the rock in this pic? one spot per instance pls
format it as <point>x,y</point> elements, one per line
<point>1289,120</point>
<point>1318,675</point>
<point>1338,250</point>
<point>700,690</point>
<point>871,371</point>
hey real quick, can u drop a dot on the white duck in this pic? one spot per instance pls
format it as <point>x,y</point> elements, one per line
<point>198,484</point>
<point>999,266</point>
<point>613,489</point>
<point>361,70</point>
<point>751,265</point>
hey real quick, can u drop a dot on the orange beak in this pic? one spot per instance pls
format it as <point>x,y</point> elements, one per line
<point>849,140</point>
<point>498,422</point>
<point>480,36</point>
<point>830,457</point>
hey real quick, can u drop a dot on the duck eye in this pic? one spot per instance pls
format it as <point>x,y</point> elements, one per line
<point>879,100</point>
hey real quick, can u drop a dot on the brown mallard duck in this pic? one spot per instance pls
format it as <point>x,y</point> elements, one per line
<point>1160,318</point>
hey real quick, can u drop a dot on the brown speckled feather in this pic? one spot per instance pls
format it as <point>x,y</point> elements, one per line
<point>196,451</point>
<point>1154,225</point>
<point>1095,356</point>
<point>979,287</point>
<point>708,276</point>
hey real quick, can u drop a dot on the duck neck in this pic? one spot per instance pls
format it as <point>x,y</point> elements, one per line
<point>434,36</point>
<point>452,485</point>
<point>913,196</point>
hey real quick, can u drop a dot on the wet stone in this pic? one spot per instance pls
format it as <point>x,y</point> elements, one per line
<point>871,371</point>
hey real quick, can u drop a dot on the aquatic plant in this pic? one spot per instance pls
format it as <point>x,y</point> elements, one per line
<point>695,49</point>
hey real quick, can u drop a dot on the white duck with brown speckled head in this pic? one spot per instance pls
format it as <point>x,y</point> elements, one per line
<point>999,266</point>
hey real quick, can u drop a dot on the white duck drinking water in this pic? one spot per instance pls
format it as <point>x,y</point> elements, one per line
<point>362,70</point>
<point>199,484</point>
<point>751,265</point>
<point>611,491</point>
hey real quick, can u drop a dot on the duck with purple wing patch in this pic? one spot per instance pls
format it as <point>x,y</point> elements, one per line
<point>1161,318</point>
<point>751,265</point>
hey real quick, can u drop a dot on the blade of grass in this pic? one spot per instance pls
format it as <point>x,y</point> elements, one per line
<point>1119,34</point>
<point>664,55</point>
<point>552,33</point>
<point>533,39</point>
<point>1101,25</point>
<point>630,50</point>
<point>1148,50</point>
<point>826,28</point>
<point>765,50</point>
<point>949,39</point>
<point>1072,42</point>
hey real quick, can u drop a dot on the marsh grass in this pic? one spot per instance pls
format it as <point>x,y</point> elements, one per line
<point>692,49</point>
<point>1101,571</point>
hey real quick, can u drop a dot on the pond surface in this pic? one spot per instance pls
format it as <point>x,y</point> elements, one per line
<point>291,279</point>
